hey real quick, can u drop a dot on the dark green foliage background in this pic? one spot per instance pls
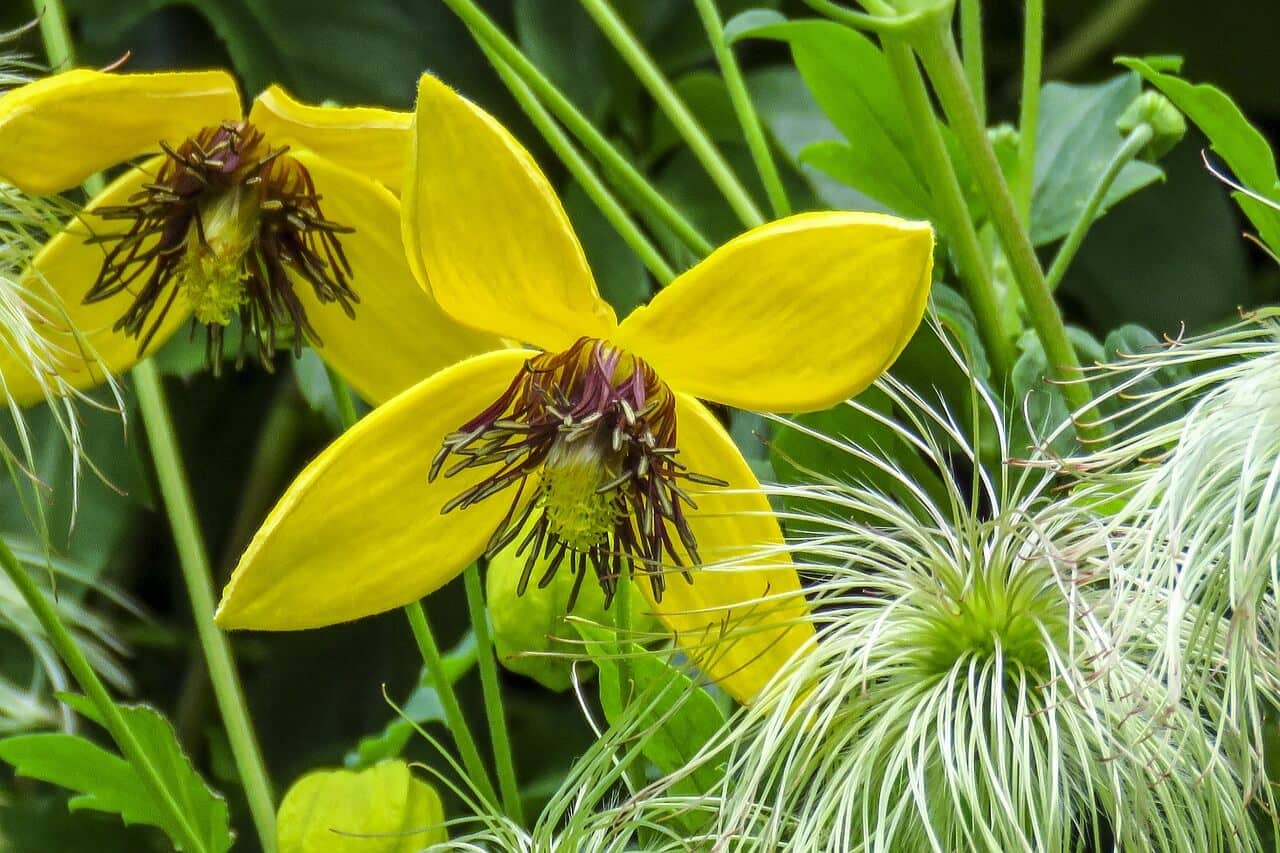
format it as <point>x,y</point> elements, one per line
<point>1168,256</point>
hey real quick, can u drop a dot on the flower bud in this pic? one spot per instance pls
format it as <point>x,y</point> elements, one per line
<point>1166,122</point>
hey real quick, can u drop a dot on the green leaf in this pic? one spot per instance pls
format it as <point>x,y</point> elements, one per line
<point>117,787</point>
<point>1131,340</point>
<point>850,79</point>
<point>747,23</point>
<point>1077,138</point>
<point>675,717</point>
<point>383,809</point>
<point>1232,137</point>
<point>795,120</point>
<point>105,782</point>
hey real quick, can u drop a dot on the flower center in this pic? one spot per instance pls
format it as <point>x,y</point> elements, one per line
<point>578,504</point>
<point>588,438</point>
<point>227,224</point>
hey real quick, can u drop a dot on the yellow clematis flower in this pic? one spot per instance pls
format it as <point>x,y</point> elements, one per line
<point>287,218</point>
<point>607,459</point>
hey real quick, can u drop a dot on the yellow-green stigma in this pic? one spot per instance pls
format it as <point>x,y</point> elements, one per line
<point>577,508</point>
<point>228,224</point>
<point>211,274</point>
<point>588,438</point>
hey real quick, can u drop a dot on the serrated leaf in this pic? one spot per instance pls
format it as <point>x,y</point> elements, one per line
<point>1232,137</point>
<point>105,782</point>
<point>1077,138</point>
<point>383,809</point>
<point>112,784</point>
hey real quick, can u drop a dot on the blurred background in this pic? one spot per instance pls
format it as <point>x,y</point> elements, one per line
<point>1170,255</point>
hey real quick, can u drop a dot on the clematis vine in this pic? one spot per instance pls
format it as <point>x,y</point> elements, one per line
<point>286,218</point>
<point>590,452</point>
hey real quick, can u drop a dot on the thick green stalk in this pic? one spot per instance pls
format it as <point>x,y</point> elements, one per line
<point>582,172</point>
<point>1029,111</point>
<point>427,646</point>
<point>487,660</point>
<point>936,47</point>
<point>634,184</point>
<point>456,722</point>
<point>974,63</point>
<point>89,682</point>
<point>975,273</point>
<point>54,33</point>
<point>752,130</point>
<point>690,130</point>
<point>194,561</point>
<point>1133,145</point>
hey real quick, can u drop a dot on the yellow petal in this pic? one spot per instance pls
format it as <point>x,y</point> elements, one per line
<point>382,809</point>
<point>360,531</point>
<point>792,316</point>
<point>79,336</point>
<point>59,130</point>
<point>486,233</point>
<point>371,141</point>
<point>737,639</point>
<point>399,335</point>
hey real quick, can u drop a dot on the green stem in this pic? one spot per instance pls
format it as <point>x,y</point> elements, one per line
<point>113,720</point>
<point>1133,145</point>
<point>456,722</point>
<point>622,643</point>
<point>488,662</point>
<point>582,172</point>
<point>875,22</point>
<point>194,561</point>
<point>427,646</point>
<point>752,130</point>
<point>938,50</point>
<point>55,34</point>
<point>617,166</point>
<point>1029,111</point>
<point>971,261</point>
<point>638,59</point>
<point>971,43</point>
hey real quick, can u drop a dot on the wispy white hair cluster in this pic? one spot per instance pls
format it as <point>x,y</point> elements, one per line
<point>983,676</point>
<point>1193,477</point>
<point>29,305</point>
